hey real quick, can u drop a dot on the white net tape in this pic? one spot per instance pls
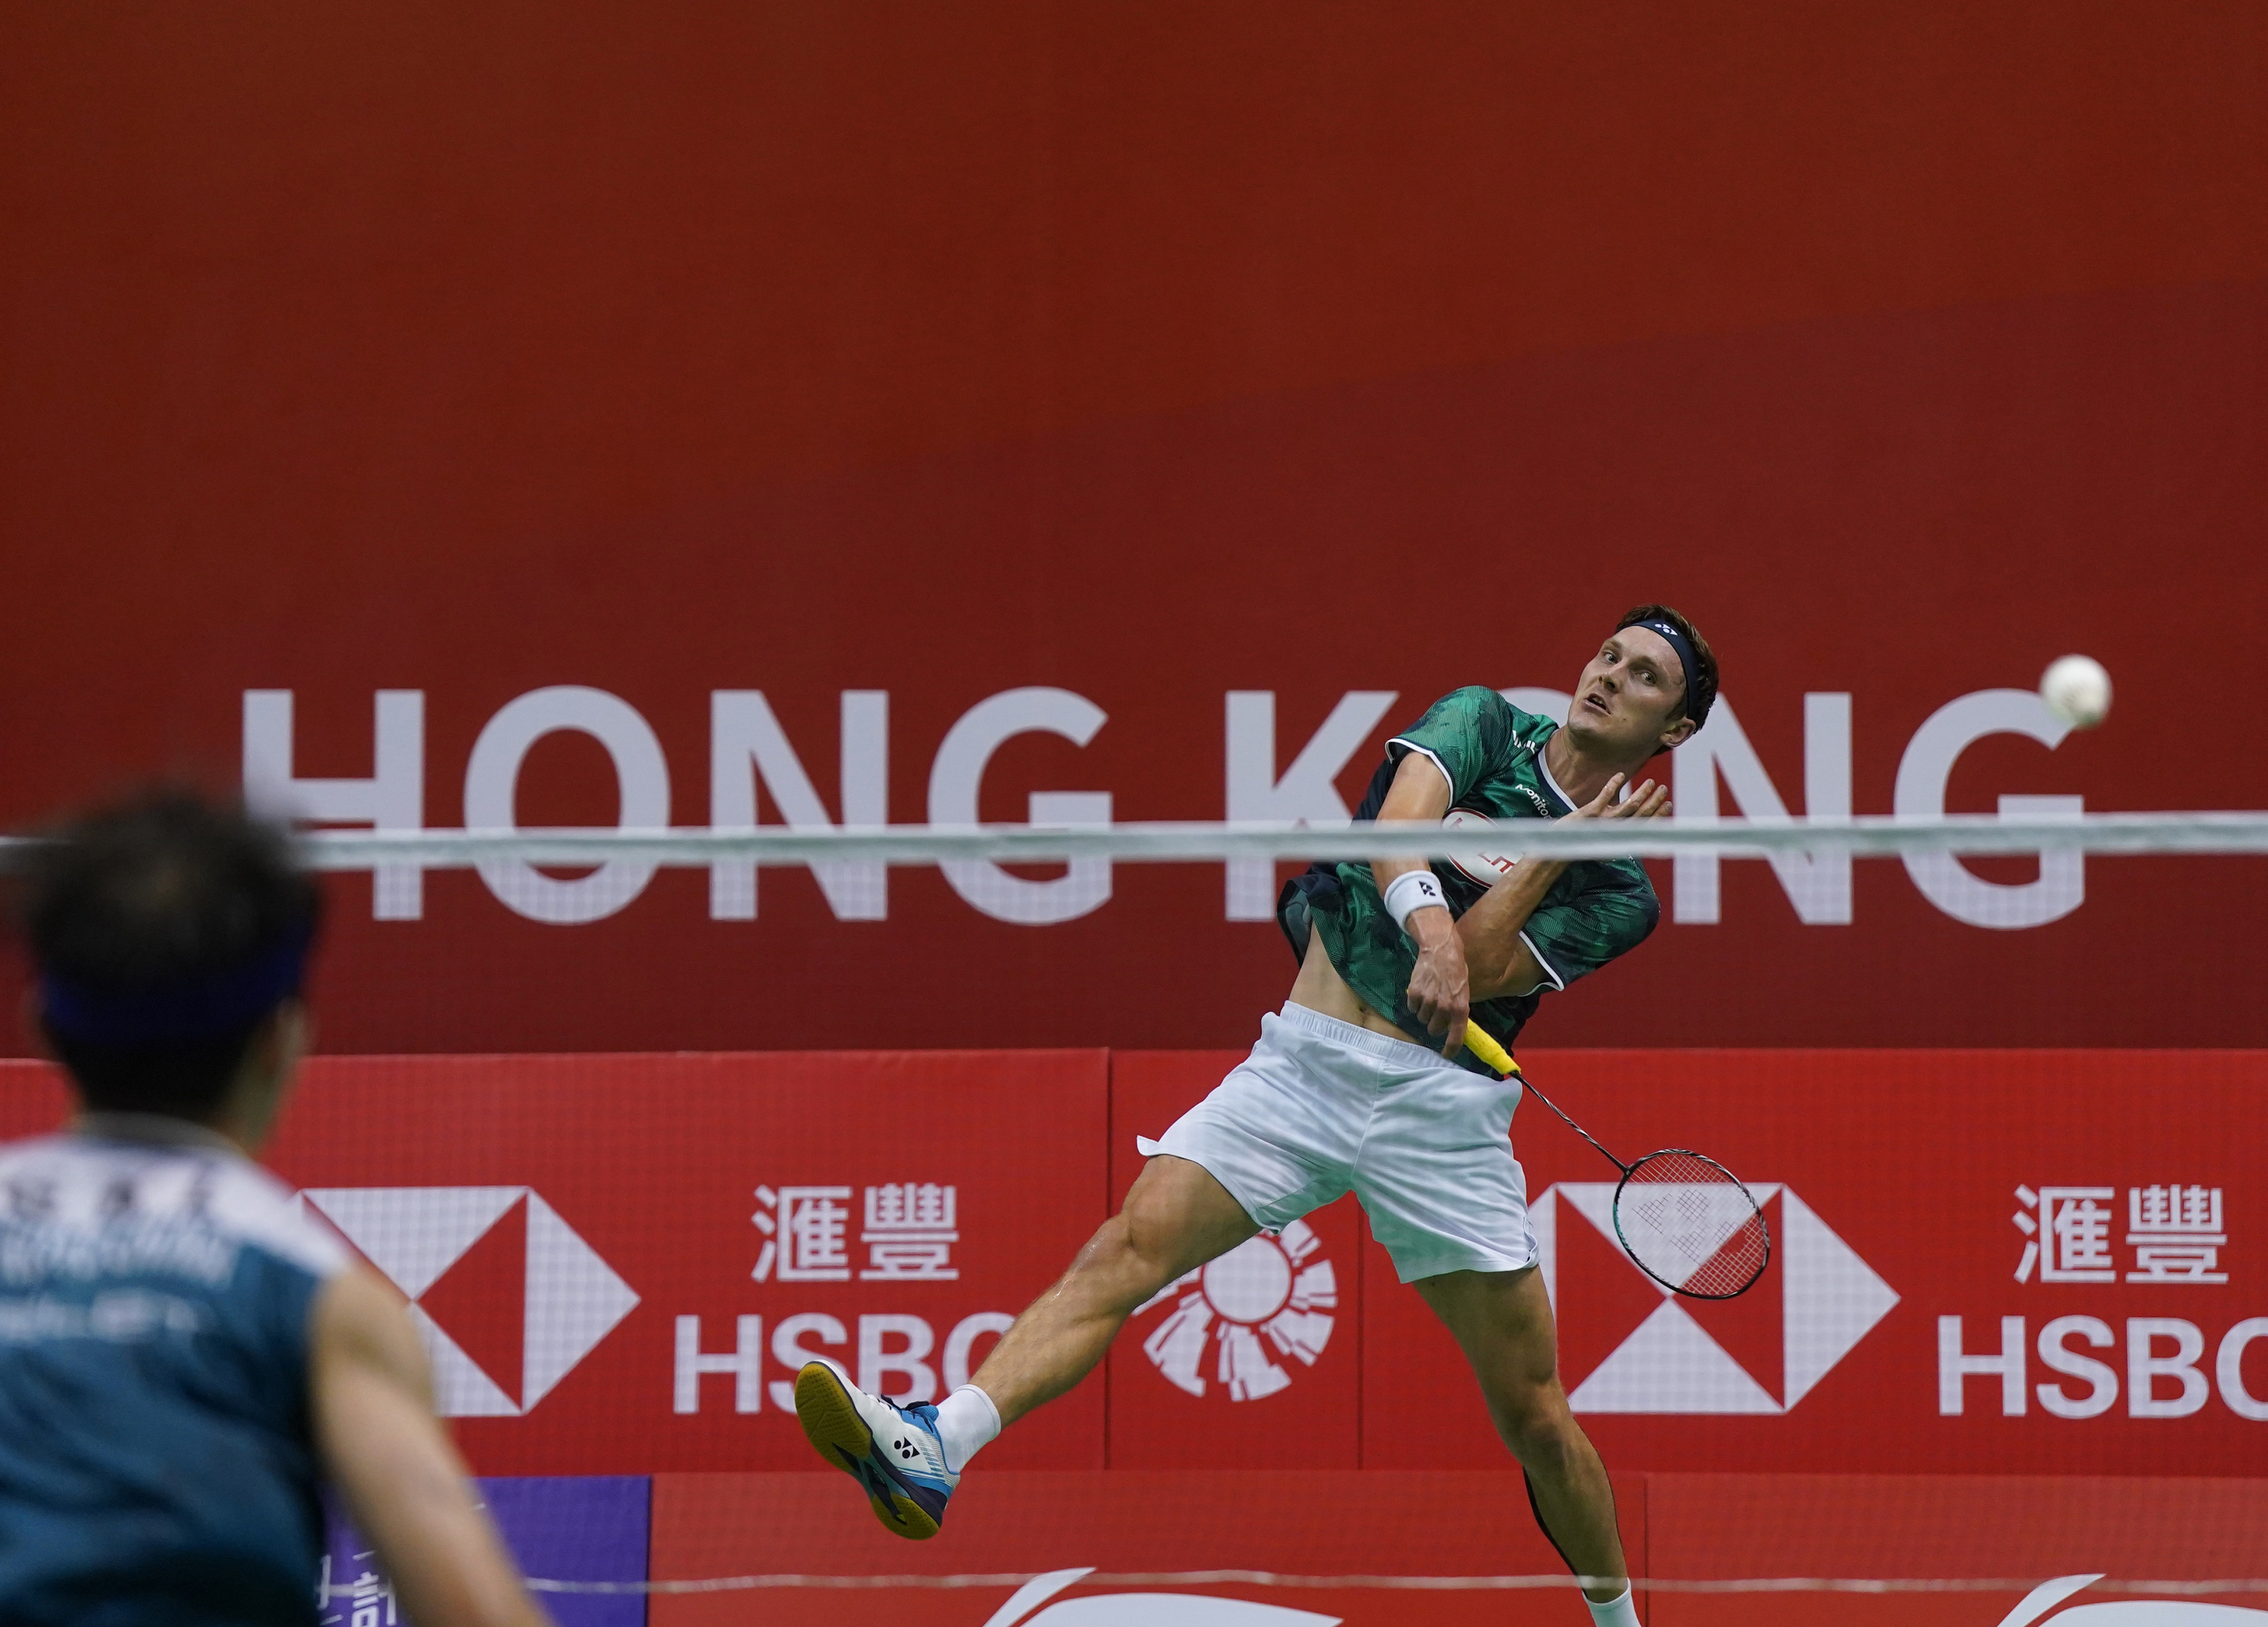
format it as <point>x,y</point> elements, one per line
<point>1193,841</point>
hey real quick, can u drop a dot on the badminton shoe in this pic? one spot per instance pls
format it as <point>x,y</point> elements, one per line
<point>891,1451</point>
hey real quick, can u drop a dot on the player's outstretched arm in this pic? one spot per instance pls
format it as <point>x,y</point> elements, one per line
<point>370,1394</point>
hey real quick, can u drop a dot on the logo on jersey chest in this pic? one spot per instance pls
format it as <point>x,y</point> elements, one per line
<point>1489,864</point>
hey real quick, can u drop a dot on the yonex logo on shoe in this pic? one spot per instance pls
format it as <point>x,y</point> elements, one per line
<point>506,1295</point>
<point>1269,1291</point>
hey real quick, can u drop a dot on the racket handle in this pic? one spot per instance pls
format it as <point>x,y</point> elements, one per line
<point>1483,1045</point>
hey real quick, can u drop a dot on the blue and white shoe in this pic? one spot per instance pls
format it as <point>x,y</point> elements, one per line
<point>891,1451</point>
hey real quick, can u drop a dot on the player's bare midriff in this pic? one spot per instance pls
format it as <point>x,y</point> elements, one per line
<point>1319,987</point>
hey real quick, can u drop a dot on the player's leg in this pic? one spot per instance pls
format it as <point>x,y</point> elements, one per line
<point>1273,1141</point>
<point>1502,1320</point>
<point>1176,1218</point>
<point>1448,1200</point>
<point>909,1458</point>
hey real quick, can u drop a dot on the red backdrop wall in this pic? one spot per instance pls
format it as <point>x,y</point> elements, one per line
<point>1152,355</point>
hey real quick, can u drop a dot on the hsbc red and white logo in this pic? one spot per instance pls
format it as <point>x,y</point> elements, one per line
<point>507,1297</point>
<point>1628,1345</point>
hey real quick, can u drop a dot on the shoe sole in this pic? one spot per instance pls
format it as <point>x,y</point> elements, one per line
<point>836,1432</point>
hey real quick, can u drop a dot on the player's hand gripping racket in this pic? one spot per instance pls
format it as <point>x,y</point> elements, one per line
<point>1685,1220</point>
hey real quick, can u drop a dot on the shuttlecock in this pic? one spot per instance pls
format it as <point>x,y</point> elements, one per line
<point>2077,690</point>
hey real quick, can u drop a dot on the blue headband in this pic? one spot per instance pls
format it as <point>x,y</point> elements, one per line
<point>1686,660</point>
<point>198,1008</point>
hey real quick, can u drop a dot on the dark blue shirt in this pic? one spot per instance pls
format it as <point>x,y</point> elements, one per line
<point>156,1461</point>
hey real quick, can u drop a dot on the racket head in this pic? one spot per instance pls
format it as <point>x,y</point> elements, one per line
<point>1687,1222</point>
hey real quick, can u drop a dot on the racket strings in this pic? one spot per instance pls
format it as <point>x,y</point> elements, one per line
<point>1692,1225</point>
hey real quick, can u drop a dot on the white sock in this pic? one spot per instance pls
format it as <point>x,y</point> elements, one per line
<point>966,1421</point>
<point>1621,1612</point>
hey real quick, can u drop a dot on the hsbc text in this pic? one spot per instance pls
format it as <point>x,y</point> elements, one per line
<point>893,1355</point>
<point>2165,1375</point>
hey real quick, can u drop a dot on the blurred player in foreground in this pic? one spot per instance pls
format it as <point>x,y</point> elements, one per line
<point>183,1355</point>
<point>1358,1085</point>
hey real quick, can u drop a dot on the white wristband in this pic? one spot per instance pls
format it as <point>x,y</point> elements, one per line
<point>1409,891</point>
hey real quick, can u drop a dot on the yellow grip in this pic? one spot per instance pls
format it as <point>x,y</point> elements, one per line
<point>1483,1045</point>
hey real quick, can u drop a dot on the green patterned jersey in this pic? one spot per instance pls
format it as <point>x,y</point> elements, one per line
<point>1492,753</point>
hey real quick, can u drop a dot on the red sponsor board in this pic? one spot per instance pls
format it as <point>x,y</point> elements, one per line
<point>1924,1527</point>
<point>1942,1296</point>
<point>1135,1530</point>
<point>1301,1522</point>
<point>1984,1262</point>
<point>619,1261</point>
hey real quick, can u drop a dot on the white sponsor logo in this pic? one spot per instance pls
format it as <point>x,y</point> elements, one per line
<point>1199,1611</point>
<point>748,746</point>
<point>1127,1610</point>
<point>894,1350</point>
<point>1489,867</point>
<point>1830,1298</point>
<point>1268,1291</point>
<point>570,1298</point>
<point>2161,1350</point>
<point>2123,1612</point>
<point>804,1233</point>
<point>2174,1231</point>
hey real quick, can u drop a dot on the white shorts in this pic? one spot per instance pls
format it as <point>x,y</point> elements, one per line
<point>1322,1107</point>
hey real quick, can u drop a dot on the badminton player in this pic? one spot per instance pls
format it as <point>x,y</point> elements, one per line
<point>1359,1084</point>
<point>183,1355</point>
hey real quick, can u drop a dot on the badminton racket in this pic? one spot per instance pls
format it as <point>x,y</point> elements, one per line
<point>1683,1218</point>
